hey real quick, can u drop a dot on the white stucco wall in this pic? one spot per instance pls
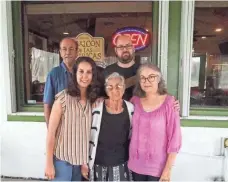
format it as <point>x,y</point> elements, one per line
<point>23,152</point>
<point>23,143</point>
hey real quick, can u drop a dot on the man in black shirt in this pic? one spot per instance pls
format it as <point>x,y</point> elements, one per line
<point>127,65</point>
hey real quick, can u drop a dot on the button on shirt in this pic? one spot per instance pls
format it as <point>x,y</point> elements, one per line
<point>57,81</point>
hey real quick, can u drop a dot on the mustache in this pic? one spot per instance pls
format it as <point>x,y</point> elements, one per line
<point>126,53</point>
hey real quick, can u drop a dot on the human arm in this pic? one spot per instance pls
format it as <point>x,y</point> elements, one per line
<point>47,113</point>
<point>166,173</point>
<point>174,142</point>
<point>85,171</point>
<point>54,121</point>
<point>48,97</point>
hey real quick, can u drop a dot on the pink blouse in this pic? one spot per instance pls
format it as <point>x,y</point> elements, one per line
<point>154,135</point>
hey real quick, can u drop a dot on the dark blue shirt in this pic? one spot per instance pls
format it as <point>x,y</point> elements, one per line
<point>57,80</point>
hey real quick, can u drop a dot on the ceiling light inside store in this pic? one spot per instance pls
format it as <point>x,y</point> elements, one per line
<point>65,33</point>
<point>204,37</point>
<point>218,29</point>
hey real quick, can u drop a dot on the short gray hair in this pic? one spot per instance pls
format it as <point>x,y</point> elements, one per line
<point>115,75</point>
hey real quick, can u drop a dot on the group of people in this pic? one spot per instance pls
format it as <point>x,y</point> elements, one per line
<point>116,124</point>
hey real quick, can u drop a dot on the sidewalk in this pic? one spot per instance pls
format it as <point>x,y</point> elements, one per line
<point>8,178</point>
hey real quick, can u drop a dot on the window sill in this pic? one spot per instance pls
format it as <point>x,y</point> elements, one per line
<point>32,108</point>
<point>205,121</point>
<point>26,117</point>
<point>210,111</point>
<point>191,121</point>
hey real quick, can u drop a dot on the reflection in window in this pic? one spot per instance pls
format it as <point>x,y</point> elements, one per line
<point>41,63</point>
<point>195,71</point>
<point>45,31</point>
<point>209,76</point>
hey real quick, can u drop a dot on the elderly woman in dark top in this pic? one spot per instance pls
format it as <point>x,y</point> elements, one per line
<point>110,135</point>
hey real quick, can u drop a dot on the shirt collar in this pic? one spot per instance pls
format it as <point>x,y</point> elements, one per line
<point>64,67</point>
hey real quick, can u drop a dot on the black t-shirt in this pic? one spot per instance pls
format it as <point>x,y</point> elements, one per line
<point>101,80</point>
<point>113,141</point>
<point>126,73</point>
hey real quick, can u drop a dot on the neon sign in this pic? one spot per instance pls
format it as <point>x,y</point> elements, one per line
<point>140,37</point>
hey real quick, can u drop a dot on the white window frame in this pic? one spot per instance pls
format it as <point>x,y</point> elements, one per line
<point>7,57</point>
<point>186,42</point>
<point>163,35</point>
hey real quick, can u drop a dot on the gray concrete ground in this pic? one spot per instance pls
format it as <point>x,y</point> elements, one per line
<point>7,178</point>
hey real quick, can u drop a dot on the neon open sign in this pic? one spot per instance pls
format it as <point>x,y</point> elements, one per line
<point>139,36</point>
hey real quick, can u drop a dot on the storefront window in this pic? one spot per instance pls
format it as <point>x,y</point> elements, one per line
<point>46,24</point>
<point>209,76</point>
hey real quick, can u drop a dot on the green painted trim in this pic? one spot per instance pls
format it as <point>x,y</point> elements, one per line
<point>196,112</point>
<point>204,123</point>
<point>18,48</point>
<point>155,20</point>
<point>174,47</point>
<point>32,109</point>
<point>210,108</point>
<point>184,122</point>
<point>21,118</point>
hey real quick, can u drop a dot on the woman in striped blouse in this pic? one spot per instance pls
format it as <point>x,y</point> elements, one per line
<point>70,122</point>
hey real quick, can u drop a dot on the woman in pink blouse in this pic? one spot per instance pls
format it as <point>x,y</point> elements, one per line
<point>156,133</point>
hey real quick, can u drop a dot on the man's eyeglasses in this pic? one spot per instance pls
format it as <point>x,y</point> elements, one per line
<point>127,47</point>
<point>70,49</point>
<point>150,78</point>
<point>117,87</point>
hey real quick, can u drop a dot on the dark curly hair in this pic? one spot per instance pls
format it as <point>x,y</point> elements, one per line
<point>93,89</point>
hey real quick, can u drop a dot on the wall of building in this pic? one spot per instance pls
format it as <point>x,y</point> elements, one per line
<point>23,143</point>
<point>23,152</point>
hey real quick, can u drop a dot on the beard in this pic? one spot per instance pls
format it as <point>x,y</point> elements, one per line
<point>126,57</point>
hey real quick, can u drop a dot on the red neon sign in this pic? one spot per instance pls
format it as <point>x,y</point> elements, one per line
<point>140,37</point>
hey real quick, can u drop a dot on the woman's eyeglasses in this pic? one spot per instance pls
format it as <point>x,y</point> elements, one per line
<point>150,78</point>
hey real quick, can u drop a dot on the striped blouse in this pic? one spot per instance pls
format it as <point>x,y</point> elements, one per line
<point>73,132</point>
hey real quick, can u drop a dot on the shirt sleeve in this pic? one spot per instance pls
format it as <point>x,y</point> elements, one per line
<point>173,129</point>
<point>49,94</point>
<point>61,96</point>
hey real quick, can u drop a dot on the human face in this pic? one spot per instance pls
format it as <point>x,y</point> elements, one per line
<point>149,80</point>
<point>84,74</point>
<point>115,89</point>
<point>124,49</point>
<point>68,51</point>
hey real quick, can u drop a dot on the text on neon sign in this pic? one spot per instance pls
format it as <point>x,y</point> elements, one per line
<point>140,39</point>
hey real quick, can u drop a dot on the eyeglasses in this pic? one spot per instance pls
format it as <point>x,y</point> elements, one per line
<point>128,47</point>
<point>150,78</point>
<point>117,87</point>
<point>70,49</point>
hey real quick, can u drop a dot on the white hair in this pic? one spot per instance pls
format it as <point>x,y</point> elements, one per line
<point>115,75</point>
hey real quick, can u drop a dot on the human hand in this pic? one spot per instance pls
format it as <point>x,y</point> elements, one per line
<point>85,171</point>
<point>176,105</point>
<point>50,171</point>
<point>165,177</point>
